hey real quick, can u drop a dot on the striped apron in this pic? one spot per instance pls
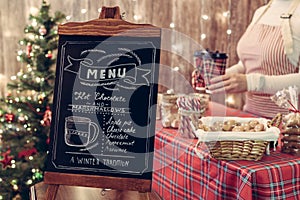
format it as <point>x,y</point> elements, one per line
<point>261,50</point>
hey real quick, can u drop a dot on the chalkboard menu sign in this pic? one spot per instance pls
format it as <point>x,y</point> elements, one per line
<point>103,122</point>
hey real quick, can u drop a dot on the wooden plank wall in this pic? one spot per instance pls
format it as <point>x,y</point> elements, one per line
<point>178,44</point>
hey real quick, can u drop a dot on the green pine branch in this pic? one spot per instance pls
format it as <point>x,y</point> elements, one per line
<point>24,138</point>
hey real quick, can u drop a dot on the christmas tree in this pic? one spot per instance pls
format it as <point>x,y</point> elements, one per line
<point>25,112</point>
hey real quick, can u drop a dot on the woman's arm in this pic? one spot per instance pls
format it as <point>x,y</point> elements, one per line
<point>271,84</point>
<point>236,69</point>
<point>236,83</point>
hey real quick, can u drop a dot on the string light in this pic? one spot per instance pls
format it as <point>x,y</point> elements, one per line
<point>170,91</point>
<point>83,11</point>
<point>34,22</point>
<point>230,101</point>
<point>176,68</point>
<point>31,36</point>
<point>203,36</point>
<point>137,17</point>
<point>19,73</point>
<point>205,17</point>
<point>33,10</point>
<point>226,13</point>
<point>38,79</point>
<point>14,182</point>
<point>229,30</point>
<point>137,12</point>
<point>20,52</point>
<point>29,182</point>
<point>13,164</point>
<point>68,17</point>
<point>172,25</point>
<point>15,187</point>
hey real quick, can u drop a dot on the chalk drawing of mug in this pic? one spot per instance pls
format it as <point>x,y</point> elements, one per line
<point>78,131</point>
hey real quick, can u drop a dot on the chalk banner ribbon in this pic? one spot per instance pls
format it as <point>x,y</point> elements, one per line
<point>128,73</point>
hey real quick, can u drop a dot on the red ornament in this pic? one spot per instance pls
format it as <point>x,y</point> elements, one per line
<point>6,161</point>
<point>27,153</point>
<point>8,95</point>
<point>9,117</point>
<point>49,55</point>
<point>48,140</point>
<point>28,50</point>
<point>47,117</point>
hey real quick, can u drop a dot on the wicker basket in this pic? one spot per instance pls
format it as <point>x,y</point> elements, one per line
<point>238,150</point>
<point>225,145</point>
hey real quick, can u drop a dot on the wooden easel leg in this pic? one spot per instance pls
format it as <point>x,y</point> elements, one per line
<point>51,192</point>
<point>149,196</point>
<point>144,195</point>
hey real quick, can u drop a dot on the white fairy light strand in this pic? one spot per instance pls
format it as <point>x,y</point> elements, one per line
<point>229,31</point>
<point>136,11</point>
<point>203,18</point>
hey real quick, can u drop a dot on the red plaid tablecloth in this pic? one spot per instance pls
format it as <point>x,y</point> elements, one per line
<point>181,174</point>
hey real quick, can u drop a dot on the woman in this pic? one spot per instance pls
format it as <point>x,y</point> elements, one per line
<point>269,58</point>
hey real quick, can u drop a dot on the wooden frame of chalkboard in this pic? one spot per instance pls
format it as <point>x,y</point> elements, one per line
<point>103,121</point>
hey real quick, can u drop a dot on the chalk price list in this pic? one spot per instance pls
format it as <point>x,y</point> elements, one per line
<point>118,130</point>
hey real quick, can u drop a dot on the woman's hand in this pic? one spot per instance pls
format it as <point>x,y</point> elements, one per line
<point>228,83</point>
